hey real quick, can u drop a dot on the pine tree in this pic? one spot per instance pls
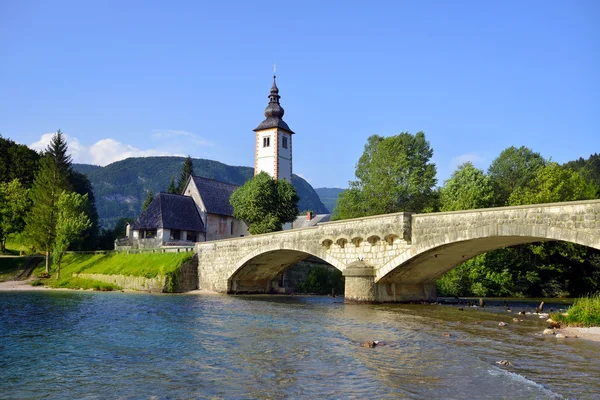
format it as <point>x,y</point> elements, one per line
<point>51,179</point>
<point>186,171</point>
<point>172,188</point>
<point>148,200</point>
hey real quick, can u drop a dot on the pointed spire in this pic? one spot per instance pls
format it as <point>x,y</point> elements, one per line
<point>274,112</point>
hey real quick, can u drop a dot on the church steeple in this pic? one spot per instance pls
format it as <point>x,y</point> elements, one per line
<point>273,151</point>
<point>274,112</point>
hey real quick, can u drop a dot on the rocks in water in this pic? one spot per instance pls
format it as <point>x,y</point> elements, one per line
<point>446,334</point>
<point>502,323</point>
<point>560,336</point>
<point>521,312</point>
<point>461,309</point>
<point>372,344</point>
<point>554,325</point>
<point>481,302</point>
<point>508,310</point>
<point>515,319</point>
<point>548,331</point>
<point>541,307</point>
<point>504,362</point>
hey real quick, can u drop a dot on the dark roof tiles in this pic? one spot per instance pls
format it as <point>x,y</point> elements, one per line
<point>170,211</point>
<point>215,195</point>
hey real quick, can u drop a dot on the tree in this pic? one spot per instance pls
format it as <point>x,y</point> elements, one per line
<point>148,200</point>
<point>17,161</point>
<point>589,169</point>
<point>551,184</point>
<point>70,223</point>
<point>172,188</point>
<point>14,203</point>
<point>512,169</point>
<point>82,185</point>
<point>265,204</point>
<point>349,205</point>
<point>393,174</point>
<point>186,171</point>
<point>467,188</point>
<point>50,181</point>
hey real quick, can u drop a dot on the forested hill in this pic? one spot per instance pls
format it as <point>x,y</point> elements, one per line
<point>329,196</point>
<point>121,187</point>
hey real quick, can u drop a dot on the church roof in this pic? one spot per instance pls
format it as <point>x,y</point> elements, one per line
<point>170,211</point>
<point>274,112</point>
<point>215,195</point>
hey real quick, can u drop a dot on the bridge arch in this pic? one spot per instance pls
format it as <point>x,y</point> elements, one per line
<point>427,260</point>
<point>254,272</point>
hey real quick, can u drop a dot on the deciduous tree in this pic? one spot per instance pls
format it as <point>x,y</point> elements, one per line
<point>467,188</point>
<point>70,223</point>
<point>393,174</point>
<point>14,203</point>
<point>265,204</point>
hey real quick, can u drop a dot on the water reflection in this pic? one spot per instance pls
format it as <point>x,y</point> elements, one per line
<point>116,345</point>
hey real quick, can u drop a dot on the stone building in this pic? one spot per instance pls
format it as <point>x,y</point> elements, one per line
<point>201,213</point>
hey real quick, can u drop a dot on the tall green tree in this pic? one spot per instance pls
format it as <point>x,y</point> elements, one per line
<point>70,223</point>
<point>89,237</point>
<point>172,188</point>
<point>265,204</point>
<point>148,200</point>
<point>393,174</point>
<point>186,171</point>
<point>14,203</point>
<point>17,161</point>
<point>51,179</point>
<point>589,169</point>
<point>551,184</point>
<point>512,169</point>
<point>467,188</point>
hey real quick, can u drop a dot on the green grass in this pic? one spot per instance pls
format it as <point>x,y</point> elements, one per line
<point>147,265</point>
<point>584,312</point>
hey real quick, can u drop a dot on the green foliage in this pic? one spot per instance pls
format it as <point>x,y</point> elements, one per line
<point>265,204</point>
<point>14,203</point>
<point>589,169</point>
<point>17,161</point>
<point>550,184</point>
<point>148,200</point>
<point>70,223</point>
<point>584,312</point>
<point>321,280</point>
<point>187,170</point>
<point>88,240</point>
<point>393,174</point>
<point>172,189</point>
<point>121,187</point>
<point>40,221</point>
<point>82,283</point>
<point>329,197</point>
<point>468,188</point>
<point>512,169</point>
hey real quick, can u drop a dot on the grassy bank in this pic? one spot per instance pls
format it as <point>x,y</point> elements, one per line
<point>584,312</point>
<point>147,265</point>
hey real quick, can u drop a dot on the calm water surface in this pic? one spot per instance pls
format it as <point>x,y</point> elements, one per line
<point>118,345</point>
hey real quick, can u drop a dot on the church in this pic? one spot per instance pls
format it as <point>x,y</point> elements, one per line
<point>202,212</point>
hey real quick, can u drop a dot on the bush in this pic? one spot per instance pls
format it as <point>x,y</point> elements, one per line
<point>584,312</point>
<point>321,280</point>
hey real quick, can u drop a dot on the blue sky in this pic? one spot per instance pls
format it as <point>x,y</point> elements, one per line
<point>130,78</point>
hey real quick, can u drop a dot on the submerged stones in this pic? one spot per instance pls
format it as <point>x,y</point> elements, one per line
<point>502,323</point>
<point>504,362</point>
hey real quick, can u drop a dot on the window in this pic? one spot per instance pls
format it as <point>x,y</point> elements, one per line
<point>150,234</point>
<point>175,235</point>
<point>267,141</point>
<point>284,142</point>
<point>191,236</point>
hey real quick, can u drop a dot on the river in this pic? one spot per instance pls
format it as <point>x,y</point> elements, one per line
<point>87,345</point>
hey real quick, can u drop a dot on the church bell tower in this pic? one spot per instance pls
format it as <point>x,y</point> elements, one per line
<point>274,141</point>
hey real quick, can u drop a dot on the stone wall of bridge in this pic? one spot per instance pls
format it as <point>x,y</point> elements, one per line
<point>399,255</point>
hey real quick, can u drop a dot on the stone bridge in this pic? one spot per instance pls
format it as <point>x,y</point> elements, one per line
<point>393,257</point>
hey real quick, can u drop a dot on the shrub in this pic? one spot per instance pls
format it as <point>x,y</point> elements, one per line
<point>584,312</point>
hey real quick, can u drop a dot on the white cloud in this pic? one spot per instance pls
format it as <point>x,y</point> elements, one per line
<point>304,177</point>
<point>105,151</point>
<point>174,134</point>
<point>475,159</point>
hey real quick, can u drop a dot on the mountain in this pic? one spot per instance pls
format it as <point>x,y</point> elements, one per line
<point>120,188</point>
<point>329,196</point>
